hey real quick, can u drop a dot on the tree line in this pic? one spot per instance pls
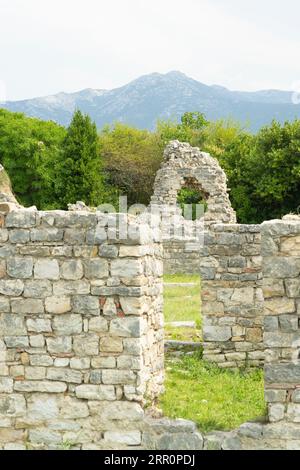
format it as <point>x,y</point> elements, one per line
<point>51,166</point>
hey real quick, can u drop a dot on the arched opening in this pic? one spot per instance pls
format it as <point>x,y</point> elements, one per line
<point>192,195</point>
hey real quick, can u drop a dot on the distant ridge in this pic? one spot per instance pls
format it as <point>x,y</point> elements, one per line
<point>162,96</point>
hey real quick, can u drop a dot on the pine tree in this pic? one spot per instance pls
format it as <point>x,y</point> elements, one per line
<point>81,177</point>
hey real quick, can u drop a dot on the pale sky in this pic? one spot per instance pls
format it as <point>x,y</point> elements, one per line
<point>48,46</point>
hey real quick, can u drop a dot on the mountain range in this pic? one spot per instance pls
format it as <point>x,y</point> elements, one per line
<point>162,96</point>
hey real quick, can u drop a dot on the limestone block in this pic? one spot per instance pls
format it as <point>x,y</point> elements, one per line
<point>13,405</point>
<point>126,327</point>
<point>96,269</point>
<point>41,360</point>
<point>281,267</point>
<point>39,325</point>
<point>292,287</point>
<point>42,408</point>
<point>111,345</point>
<point>126,267</point>
<point>118,377</point>
<point>20,268</point>
<point>86,304</point>
<point>27,306</point>
<point>71,288</point>
<point>12,325</point>
<point>271,324</point>
<point>221,334</point>
<point>67,325</point>
<point>37,341</point>
<point>16,341</point>
<point>40,386</point>
<point>117,410</point>
<point>86,345</point>
<point>6,385</point>
<point>282,373</point>
<point>105,362</point>
<point>4,305</point>
<point>279,306</point>
<point>80,363</point>
<point>64,375</point>
<point>130,438</point>
<point>275,396</point>
<point>37,289</point>
<point>289,323</point>
<point>109,308</point>
<point>57,304</point>
<point>108,251</point>
<point>46,269</point>
<point>61,362</point>
<point>133,305</point>
<point>72,270</point>
<point>59,345</point>
<point>71,408</point>
<point>96,392</point>
<point>276,412</point>
<point>19,236</point>
<point>21,219</point>
<point>35,373</point>
<point>254,335</point>
<point>43,234</point>
<point>98,324</point>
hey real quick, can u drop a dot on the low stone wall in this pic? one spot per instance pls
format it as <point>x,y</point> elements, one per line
<point>81,329</point>
<point>281,285</point>
<point>232,298</point>
<point>181,257</point>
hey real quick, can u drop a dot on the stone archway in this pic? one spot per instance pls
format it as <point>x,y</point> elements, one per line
<point>184,164</point>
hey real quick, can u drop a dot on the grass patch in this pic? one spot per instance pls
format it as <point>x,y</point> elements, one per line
<point>182,334</point>
<point>184,278</point>
<point>214,398</point>
<point>182,303</point>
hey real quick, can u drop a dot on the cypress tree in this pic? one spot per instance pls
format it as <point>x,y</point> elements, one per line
<point>81,177</point>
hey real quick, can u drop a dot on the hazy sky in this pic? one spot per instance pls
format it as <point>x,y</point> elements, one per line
<point>49,46</point>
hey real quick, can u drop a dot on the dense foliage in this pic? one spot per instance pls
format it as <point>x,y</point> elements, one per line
<point>81,175</point>
<point>51,166</point>
<point>30,151</point>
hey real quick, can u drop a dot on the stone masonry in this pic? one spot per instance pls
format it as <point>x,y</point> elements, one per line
<point>186,166</point>
<point>232,296</point>
<point>281,285</point>
<point>81,329</point>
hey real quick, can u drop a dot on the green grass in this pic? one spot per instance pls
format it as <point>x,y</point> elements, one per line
<point>214,398</point>
<point>182,303</point>
<point>182,334</point>
<point>186,278</point>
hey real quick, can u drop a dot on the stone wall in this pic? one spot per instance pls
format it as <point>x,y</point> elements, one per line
<point>81,338</point>
<point>181,257</point>
<point>281,285</point>
<point>186,166</point>
<point>232,298</point>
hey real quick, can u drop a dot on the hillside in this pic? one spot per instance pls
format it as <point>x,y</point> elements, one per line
<point>162,96</point>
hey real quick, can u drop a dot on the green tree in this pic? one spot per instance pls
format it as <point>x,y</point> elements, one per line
<point>80,173</point>
<point>264,172</point>
<point>30,150</point>
<point>131,159</point>
<point>190,129</point>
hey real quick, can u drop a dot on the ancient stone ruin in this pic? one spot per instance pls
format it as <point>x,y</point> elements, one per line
<point>81,321</point>
<point>186,167</point>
